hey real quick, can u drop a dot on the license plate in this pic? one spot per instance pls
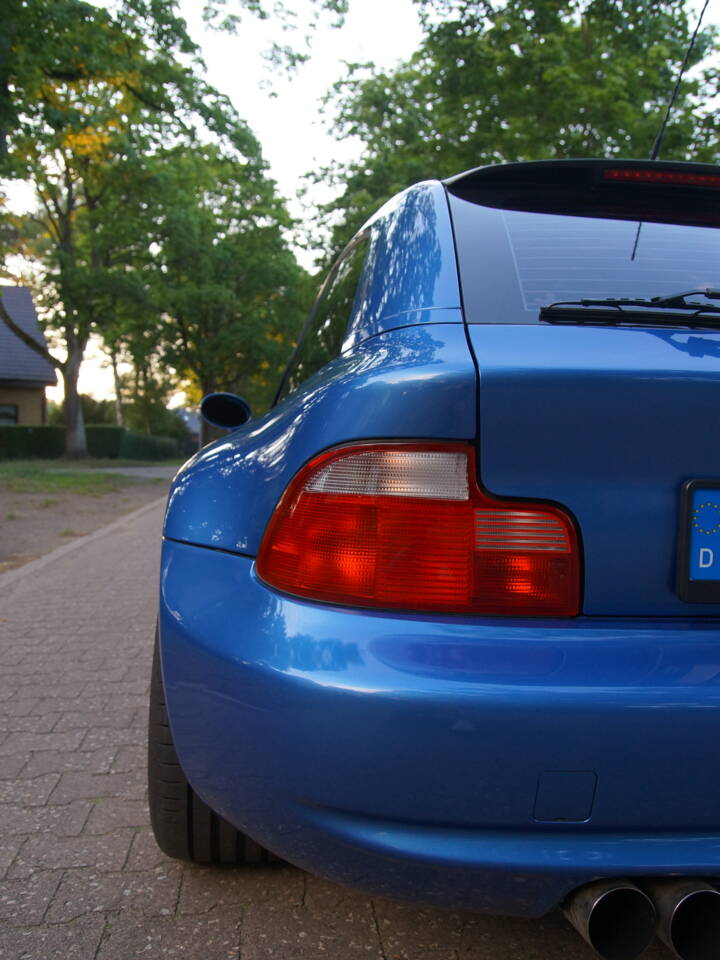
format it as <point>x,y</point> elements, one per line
<point>699,542</point>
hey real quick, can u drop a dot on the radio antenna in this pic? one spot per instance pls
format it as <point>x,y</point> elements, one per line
<point>654,153</point>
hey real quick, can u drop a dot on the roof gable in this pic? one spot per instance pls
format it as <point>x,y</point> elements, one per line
<point>17,361</point>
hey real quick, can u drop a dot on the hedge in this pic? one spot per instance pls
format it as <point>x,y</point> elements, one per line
<point>18,442</point>
<point>104,440</point>
<point>141,446</point>
<point>21,442</point>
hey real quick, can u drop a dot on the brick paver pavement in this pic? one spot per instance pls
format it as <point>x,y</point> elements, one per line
<point>80,875</point>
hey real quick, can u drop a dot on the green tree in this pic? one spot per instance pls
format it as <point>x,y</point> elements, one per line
<point>515,80</point>
<point>224,280</point>
<point>81,120</point>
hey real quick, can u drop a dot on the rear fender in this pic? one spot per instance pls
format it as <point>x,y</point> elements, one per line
<point>406,383</point>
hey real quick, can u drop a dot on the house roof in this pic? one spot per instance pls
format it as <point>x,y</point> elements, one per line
<point>18,363</point>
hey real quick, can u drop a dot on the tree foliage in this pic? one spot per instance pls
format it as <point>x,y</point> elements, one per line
<point>74,41</point>
<point>94,102</point>
<point>516,80</point>
<point>138,53</point>
<point>94,412</point>
<point>288,56</point>
<point>223,278</point>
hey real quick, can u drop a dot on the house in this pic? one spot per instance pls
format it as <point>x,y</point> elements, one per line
<point>191,419</point>
<point>24,374</point>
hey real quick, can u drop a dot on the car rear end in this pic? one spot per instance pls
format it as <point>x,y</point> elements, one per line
<point>466,661</point>
<point>609,407</point>
<point>591,295</point>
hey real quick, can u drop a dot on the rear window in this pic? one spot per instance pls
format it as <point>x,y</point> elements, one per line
<point>513,262</point>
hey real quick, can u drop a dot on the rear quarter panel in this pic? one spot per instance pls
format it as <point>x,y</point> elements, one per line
<point>410,382</point>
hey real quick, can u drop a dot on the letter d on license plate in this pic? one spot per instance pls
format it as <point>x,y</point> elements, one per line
<point>699,542</point>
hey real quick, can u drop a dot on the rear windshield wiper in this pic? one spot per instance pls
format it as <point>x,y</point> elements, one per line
<point>674,309</point>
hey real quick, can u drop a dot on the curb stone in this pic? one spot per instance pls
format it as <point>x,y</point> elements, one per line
<point>12,576</point>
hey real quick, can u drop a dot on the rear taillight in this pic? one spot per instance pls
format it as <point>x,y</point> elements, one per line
<point>401,526</point>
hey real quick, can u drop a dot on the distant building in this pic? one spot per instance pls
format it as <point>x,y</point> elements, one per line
<point>191,419</point>
<point>24,374</point>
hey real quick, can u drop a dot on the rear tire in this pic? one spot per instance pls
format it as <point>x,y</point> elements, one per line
<point>184,826</point>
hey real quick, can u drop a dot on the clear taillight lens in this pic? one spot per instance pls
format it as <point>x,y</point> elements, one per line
<point>399,526</point>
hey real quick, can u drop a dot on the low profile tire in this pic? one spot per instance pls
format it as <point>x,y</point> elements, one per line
<point>184,826</point>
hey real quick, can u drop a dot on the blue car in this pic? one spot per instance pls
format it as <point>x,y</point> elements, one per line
<point>443,623</point>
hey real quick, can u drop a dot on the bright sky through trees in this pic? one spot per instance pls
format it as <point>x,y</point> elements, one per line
<point>289,125</point>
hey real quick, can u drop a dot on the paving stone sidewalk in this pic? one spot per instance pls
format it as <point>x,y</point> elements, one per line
<point>80,875</point>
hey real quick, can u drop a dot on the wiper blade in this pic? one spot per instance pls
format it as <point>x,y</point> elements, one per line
<point>673,309</point>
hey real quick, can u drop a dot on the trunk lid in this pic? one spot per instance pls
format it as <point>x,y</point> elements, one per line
<point>608,422</point>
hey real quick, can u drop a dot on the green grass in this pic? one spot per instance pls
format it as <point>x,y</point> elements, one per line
<point>90,463</point>
<point>93,463</point>
<point>46,476</point>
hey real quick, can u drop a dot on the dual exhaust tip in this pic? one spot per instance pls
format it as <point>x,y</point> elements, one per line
<point>619,918</point>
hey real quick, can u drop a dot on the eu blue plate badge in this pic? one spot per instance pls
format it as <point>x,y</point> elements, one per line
<point>699,542</point>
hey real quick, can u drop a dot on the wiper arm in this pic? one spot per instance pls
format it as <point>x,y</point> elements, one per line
<point>651,310</point>
<point>678,299</point>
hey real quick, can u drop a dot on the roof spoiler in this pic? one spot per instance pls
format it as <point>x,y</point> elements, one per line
<point>652,190</point>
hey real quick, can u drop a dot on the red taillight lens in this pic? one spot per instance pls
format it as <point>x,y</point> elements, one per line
<point>398,526</point>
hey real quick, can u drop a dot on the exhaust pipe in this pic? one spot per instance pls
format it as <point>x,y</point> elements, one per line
<point>688,917</point>
<point>615,917</point>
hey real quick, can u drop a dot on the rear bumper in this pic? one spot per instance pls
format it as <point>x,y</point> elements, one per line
<point>489,764</point>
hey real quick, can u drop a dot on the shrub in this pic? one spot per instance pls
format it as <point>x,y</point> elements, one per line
<point>94,411</point>
<point>21,442</point>
<point>156,419</point>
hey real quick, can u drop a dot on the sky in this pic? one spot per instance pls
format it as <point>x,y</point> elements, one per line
<point>287,123</point>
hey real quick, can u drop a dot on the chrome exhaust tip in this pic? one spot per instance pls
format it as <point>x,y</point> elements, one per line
<point>688,914</point>
<point>614,916</point>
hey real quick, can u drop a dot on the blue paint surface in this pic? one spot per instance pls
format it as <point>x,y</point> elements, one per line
<point>416,381</point>
<point>402,754</point>
<point>610,423</point>
<point>410,267</point>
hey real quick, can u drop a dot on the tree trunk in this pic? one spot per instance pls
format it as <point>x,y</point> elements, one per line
<point>146,399</point>
<point>75,441</point>
<point>119,412</point>
<point>208,432</point>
